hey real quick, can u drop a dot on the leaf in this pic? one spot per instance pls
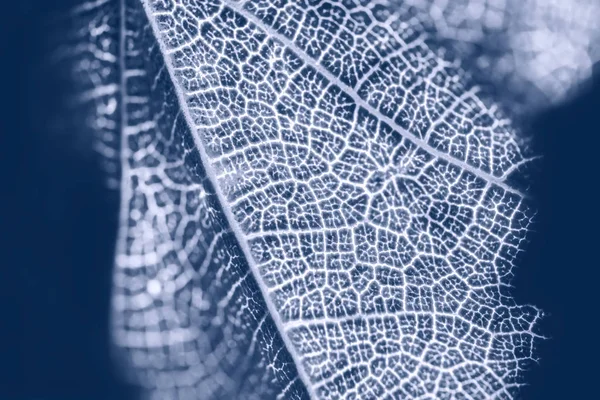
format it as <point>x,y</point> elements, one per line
<point>313,205</point>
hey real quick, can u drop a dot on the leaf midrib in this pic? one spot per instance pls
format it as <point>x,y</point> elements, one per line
<point>239,235</point>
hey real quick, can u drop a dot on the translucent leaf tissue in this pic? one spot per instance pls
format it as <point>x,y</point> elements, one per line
<point>316,202</point>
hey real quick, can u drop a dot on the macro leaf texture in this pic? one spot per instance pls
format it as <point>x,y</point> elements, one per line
<point>314,204</point>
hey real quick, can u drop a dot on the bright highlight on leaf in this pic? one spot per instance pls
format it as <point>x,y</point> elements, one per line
<point>314,205</point>
<point>535,52</point>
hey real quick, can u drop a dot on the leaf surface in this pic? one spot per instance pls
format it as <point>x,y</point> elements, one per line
<point>313,205</point>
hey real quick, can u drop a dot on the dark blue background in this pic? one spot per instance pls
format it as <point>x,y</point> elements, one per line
<point>59,225</point>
